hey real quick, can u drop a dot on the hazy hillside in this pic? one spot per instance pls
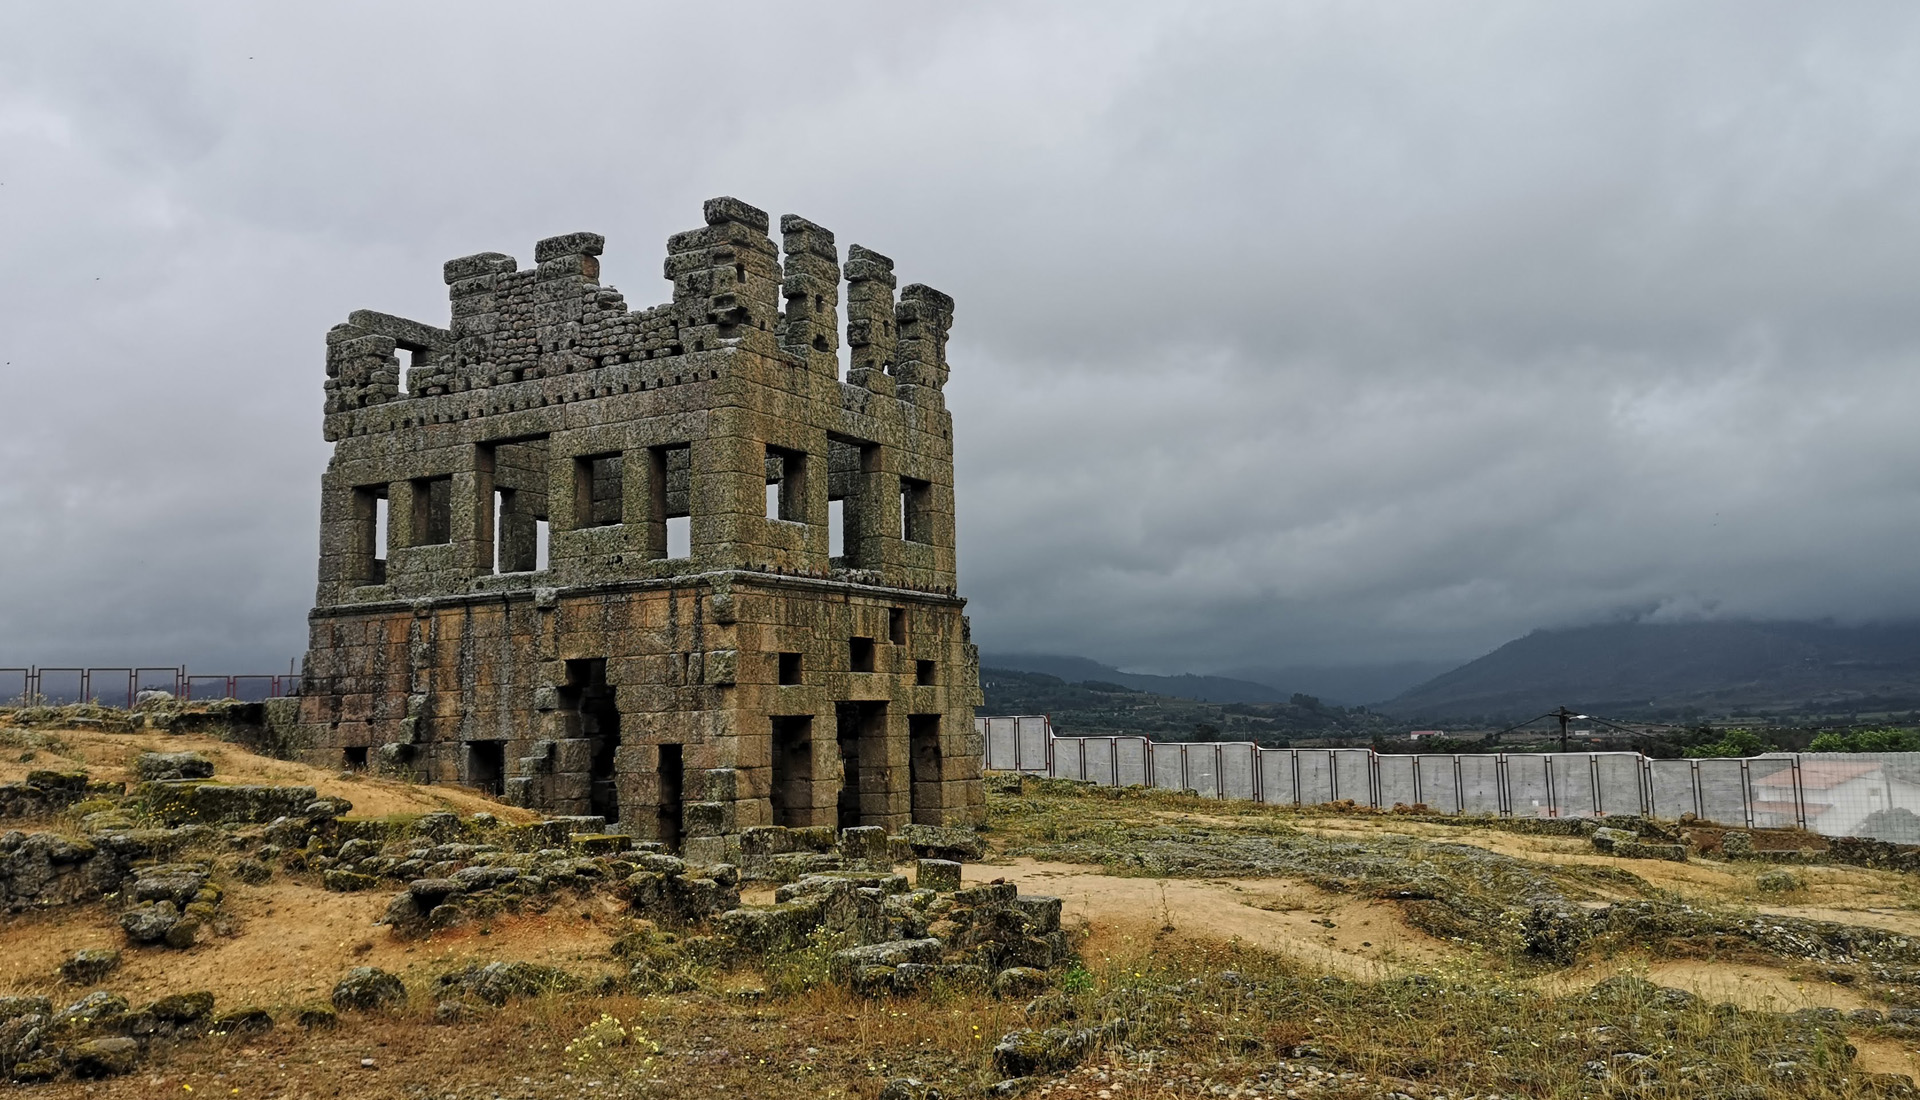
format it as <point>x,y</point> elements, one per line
<point>1207,689</point>
<point>1101,706</point>
<point>1677,669</point>
<point>1347,685</point>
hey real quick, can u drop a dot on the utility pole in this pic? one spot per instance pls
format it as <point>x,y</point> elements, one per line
<point>1565,716</point>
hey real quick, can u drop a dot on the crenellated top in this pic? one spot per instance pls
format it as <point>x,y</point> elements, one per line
<point>549,436</point>
<point>730,288</point>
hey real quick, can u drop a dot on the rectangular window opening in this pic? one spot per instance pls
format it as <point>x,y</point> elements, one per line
<point>836,528</point>
<point>789,668</point>
<point>669,490</point>
<point>432,511</point>
<point>599,490</point>
<point>518,538</point>
<point>786,485</point>
<point>354,758</point>
<point>369,535</point>
<point>916,498</point>
<point>791,782</point>
<point>487,766</point>
<point>519,480</point>
<point>860,654</point>
<point>923,673</point>
<point>897,625</point>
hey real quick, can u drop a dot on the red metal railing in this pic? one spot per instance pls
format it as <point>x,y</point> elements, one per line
<point>121,686</point>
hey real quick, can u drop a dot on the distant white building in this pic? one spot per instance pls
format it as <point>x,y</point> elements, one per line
<point>1839,794</point>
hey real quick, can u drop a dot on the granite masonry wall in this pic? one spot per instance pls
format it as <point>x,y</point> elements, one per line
<point>666,565</point>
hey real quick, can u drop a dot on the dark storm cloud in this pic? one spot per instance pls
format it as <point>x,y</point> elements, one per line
<point>1287,333</point>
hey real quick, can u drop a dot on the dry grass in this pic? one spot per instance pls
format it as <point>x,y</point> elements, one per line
<point>1201,983</point>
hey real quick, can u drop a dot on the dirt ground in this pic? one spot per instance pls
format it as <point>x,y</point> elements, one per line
<point>1355,937</point>
<point>110,757</point>
<point>1848,895</point>
<point>293,942</point>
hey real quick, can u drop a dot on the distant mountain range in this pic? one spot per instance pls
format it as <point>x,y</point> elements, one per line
<point>1621,670</point>
<point>1074,670</point>
<point>1676,669</point>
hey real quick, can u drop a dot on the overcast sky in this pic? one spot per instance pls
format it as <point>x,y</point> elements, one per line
<point>1310,332</point>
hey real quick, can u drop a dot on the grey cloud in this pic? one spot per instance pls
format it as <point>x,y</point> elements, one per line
<point>1305,333</point>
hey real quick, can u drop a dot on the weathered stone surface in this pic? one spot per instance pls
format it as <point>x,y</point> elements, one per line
<point>367,988</point>
<point>11,1007</point>
<point>150,923</point>
<point>173,765</point>
<point>705,408</point>
<point>937,842</point>
<point>89,965</point>
<point>188,801</point>
<point>182,1008</point>
<point>108,1057</point>
<point>247,1018</point>
<point>937,874</point>
<point>908,1088</point>
<point>1019,981</point>
<point>317,1017</point>
<point>91,1011</point>
<point>1026,1053</point>
<point>498,982</point>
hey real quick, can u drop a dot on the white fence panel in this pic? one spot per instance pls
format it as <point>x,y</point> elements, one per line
<point>1480,784</point>
<point>1353,776</point>
<point>1130,760</point>
<point>1620,778</point>
<point>1395,781</point>
<point>1529,790</point>
<point>1315,776</point>
<point>1838,794</point>
<point>1276,777</point>
<point>1098,760</point>
<point>1168,774</point>
<point>1723,791</point>
<point>1439,789</point>
<point>1237,765</point>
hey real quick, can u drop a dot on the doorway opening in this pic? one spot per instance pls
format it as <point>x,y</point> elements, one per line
<point>792,780</point>
<point>589,695</point>
<point>861,729</point>
<point>487,766</point>
<point>923,747</point>
<point>671,824</point>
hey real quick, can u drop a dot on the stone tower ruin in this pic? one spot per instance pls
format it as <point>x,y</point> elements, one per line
<point>665,566</point>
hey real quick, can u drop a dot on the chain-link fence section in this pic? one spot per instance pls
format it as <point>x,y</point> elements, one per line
<point>1836,794</point>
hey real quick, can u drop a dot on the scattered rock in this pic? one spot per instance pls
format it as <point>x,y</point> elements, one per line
<point>317,1017</point>
<point>1778,881</point>
<point>253,872</point>
<point>247,1018</point>
<point>91,1011</point>
<point>182,1008</point>
<point>107,1057</point>
<point>88,966</point>
<point>908,1088</point>
<point>498,982</point>
<point>367,988</point>
<point>1027,1052</point>
<point>172,765</point>
<point>1019,981</point>
<point>942,875</point>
